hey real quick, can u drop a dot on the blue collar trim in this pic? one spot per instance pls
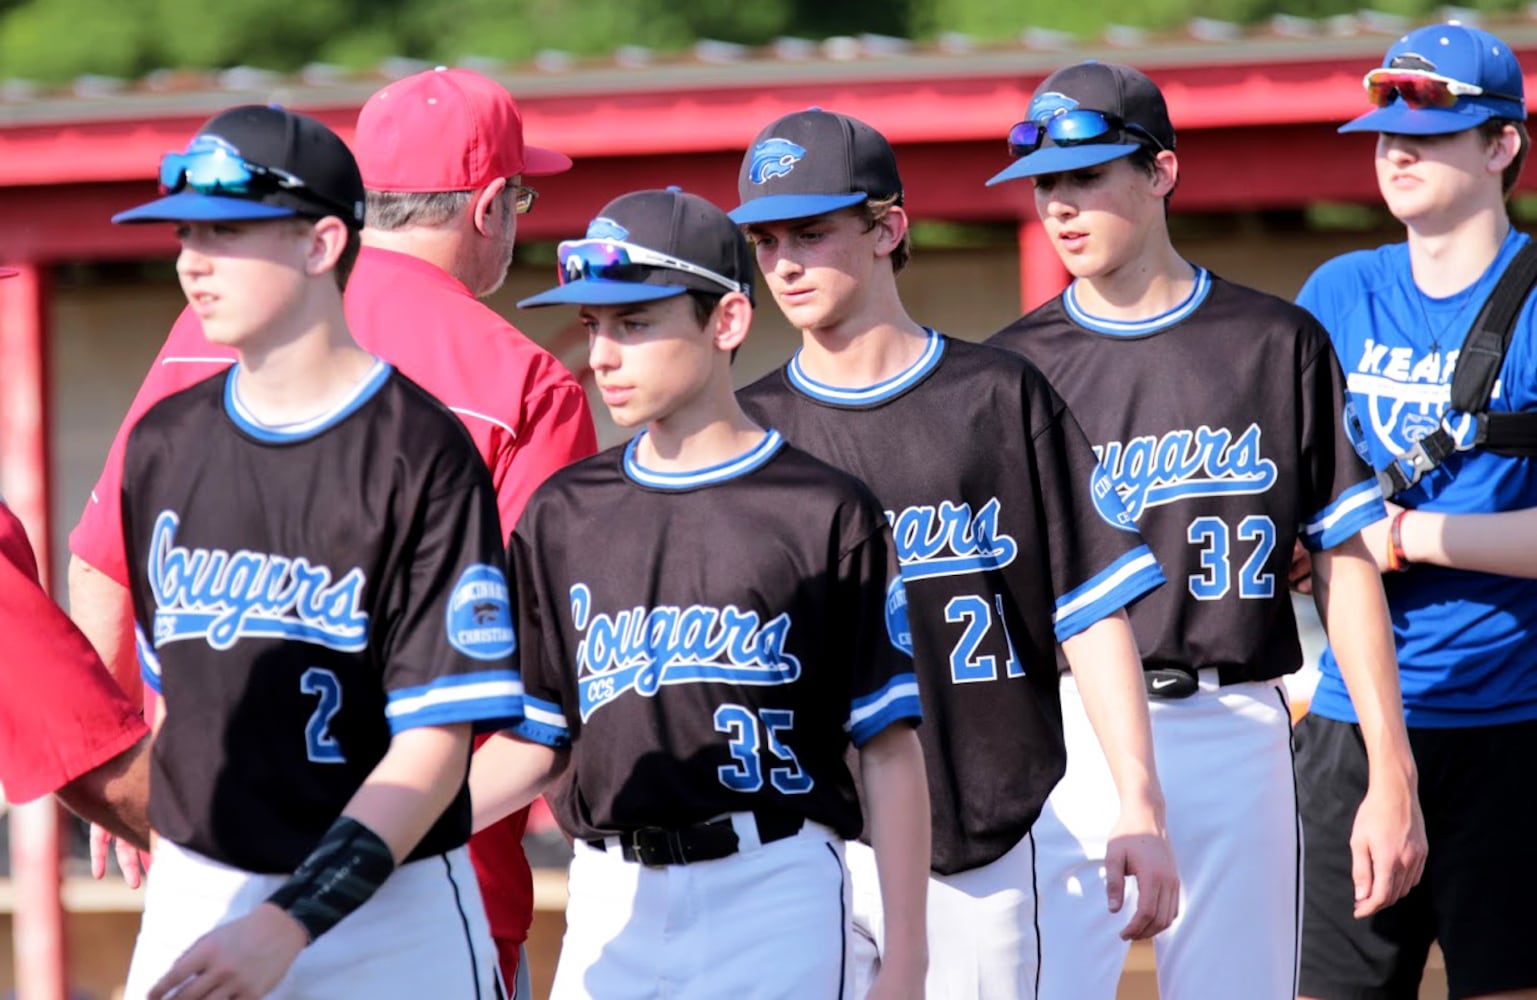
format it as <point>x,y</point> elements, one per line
<point>880,392</point>
<point>304,430</point>
<point>1139,327</point>
<point>708,476</point>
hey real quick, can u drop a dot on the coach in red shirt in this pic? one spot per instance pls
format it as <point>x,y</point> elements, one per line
<point>443,159</point>
<point>64,726</point>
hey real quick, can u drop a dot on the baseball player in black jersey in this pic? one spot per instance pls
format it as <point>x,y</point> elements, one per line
<point>321,610</point>
<point>709,618</point>
<point>1218,414</point>
<point>1009,543</point>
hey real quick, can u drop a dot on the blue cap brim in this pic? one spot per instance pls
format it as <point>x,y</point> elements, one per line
<point>1061,159</point>
<point>189,206</point>
<point>782,207</point>
<point>1400,119</point>
<point>601,292</point>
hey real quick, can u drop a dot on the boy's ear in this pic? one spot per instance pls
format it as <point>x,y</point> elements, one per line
<point>892,228</point>
<point>1503,150</point>
<point>327,241</point>
<point>732,319</point>
<point>1165,173</point>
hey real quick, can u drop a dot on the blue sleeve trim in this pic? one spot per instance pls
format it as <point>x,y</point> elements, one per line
<point>1351,511</point>
<point>895,701</point>
<point>537,732</point>
<point>492,699</point>
<point>149,663</point>
<point>1119,584</point>
<point>543,718</point>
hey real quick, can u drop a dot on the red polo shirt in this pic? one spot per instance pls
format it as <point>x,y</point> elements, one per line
<point>526,412</point>
<point>60,713</point>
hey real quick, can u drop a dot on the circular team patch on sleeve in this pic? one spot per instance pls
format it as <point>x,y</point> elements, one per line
<point>480,614</point>
<point>1107,500</point>
<point>896,617</point>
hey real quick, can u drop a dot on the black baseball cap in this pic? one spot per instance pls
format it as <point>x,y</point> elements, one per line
<point>1119,92</point>
<point>811,163</point>
<point>257,162</point>
<point>650,245</point>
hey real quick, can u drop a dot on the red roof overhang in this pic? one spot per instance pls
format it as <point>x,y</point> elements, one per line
<point>1256,125</point>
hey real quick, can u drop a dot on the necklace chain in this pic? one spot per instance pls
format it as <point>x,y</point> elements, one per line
<point>1456,321</point>
<point>1430,328</point>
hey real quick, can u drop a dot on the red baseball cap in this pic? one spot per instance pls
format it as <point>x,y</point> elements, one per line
<point>445,130</point>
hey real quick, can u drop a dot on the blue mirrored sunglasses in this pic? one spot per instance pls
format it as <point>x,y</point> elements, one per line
<point>616,261</point>
<point>210,169</point>
<point>1070,128</point>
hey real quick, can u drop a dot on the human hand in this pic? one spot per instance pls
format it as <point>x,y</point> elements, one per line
<point>1301,572</point>
<point>133,862</point>
<point>1387,845</point>
<point>1139,847</point>
<point>898,980</point>
<point>241,960</point>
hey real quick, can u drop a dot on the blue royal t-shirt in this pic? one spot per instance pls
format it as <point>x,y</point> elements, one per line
<point>1465,640</point>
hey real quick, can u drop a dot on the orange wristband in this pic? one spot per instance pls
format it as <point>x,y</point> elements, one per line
<point>1396,558</point>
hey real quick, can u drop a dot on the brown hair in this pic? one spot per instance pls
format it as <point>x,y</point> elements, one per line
<point>348,258</point>
<point>704,304</point>
<point>872,211</point>
<point>1145,159</point>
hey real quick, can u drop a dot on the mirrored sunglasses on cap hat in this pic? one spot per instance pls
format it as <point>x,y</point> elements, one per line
<point>1422,88</point>
<point>211,166</point>
<point>615,260</point>
<point>1069,128</point>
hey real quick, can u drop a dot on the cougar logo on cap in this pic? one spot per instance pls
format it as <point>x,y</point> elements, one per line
<point>1413,60</point>
<point>603,228</point>
<point>774,158</point>
<point>1049,105</point>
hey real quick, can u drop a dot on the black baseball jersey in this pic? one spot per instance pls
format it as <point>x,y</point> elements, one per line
<point>301,594</point>
<point>708,642</point>
<point>1223,426</point>
<point>989,487</point>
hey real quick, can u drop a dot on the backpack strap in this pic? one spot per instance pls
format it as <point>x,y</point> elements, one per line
<point>1478,368</point>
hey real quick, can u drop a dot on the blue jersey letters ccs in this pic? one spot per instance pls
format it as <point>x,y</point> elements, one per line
<point>219,596</point>
<point>645,648</point>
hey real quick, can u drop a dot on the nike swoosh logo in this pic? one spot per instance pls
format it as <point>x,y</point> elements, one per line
<point>1159,683</point>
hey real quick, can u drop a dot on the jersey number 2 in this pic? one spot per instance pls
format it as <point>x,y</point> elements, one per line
<point>745,774</point>
<point>1211,533</point>
<point>320,745</point>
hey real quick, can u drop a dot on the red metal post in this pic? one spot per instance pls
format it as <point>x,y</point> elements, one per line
<point>38,923</point>
<point>1041,274</point>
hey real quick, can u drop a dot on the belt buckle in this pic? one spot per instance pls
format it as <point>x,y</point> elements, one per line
<point>1169,683</point>
<point>655,847</point>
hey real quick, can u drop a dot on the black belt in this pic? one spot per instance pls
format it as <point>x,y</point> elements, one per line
<point>655,847</point>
